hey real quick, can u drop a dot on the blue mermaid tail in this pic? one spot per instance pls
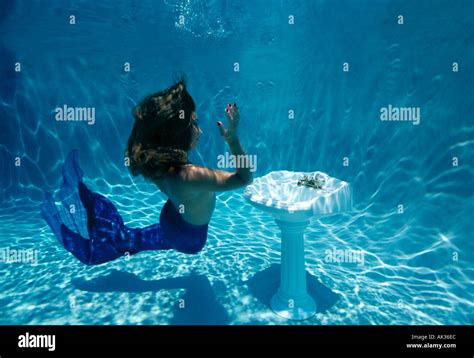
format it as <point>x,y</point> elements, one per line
<point>90,227</point>
<point>71,213</point>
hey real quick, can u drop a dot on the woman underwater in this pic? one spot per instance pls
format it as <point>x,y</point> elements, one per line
<point>166,128</point>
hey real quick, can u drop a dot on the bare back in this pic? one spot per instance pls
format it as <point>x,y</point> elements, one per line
<point>196,207</point>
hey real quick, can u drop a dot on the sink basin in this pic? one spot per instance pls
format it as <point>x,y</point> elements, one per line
<point>292,206</point>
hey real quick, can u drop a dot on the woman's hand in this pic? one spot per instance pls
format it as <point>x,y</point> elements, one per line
<point>233,117</point>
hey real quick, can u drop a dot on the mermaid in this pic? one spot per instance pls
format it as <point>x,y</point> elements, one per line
<point>165,130</point>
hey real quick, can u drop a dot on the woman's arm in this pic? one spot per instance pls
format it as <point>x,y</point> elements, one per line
<point>201,179</point>
<point>206,179</point>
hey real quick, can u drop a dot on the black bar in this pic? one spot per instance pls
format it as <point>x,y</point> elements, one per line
<point>381,339</point>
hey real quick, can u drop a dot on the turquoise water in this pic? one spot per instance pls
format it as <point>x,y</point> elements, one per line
<point>412,184</point>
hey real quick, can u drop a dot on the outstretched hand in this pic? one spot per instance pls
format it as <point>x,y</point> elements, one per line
<point>233,118</point>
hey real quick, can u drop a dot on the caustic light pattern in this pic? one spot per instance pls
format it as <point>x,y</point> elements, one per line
<point>375,93</point>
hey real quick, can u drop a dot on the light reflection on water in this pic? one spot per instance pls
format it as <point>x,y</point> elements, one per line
<point>417,263</point>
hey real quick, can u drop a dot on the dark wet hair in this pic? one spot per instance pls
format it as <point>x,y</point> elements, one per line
<point>162,132</point>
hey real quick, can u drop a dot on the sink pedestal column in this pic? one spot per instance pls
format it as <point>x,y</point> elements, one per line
<point>292,300</point>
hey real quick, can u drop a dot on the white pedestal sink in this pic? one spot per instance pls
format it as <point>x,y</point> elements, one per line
<point>292,207</point>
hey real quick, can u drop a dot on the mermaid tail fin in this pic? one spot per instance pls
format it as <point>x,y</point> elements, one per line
<point>90,226</point>
<point>103,223</point>
<point>51,215</point>
<point>87,223</point>
<point>71,213</point>
<point>69,195</point>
